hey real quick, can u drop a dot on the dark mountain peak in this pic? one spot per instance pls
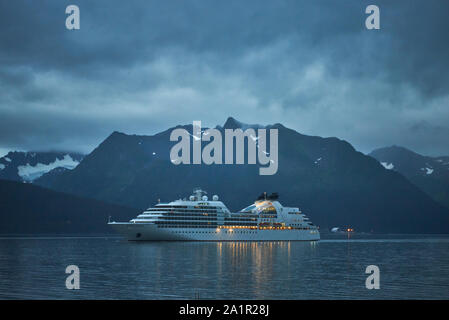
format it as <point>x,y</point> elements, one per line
<point>117,138</point>
<point>12,154</point>
<point>117,134</point>
<point>404,160</point>
<point>232,123</point>
<point>431,174</point>
<point>394,149</point>
<point>278,126</point>
<point>399,157</point>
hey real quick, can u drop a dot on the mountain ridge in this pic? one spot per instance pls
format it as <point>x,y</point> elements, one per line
<point>29,209</point>
<point>28,166</point>
<point>331,181</point>
<point>431,174</point>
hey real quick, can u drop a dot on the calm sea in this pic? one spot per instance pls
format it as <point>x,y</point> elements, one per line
<point>411,267</point>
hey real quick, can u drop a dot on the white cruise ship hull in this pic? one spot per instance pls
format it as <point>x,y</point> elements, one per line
<point>151,232</point>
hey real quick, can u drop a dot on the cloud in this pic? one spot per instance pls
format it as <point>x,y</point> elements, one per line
<point>144,66</point>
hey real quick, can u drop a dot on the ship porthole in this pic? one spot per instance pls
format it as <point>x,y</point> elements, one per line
<point>138,235</point>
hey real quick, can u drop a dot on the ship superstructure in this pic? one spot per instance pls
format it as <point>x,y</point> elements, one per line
<point>197,218</point>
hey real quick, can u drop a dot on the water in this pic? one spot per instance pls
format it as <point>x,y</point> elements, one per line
<point>111,268</point>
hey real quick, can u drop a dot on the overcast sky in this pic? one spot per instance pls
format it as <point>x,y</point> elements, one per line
<point>143,66</point>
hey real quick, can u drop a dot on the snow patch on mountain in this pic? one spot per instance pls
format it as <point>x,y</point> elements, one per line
<point>30,173</point>
<point>2,166</point>
<point>428,170</point>
<point>388,166</point>
<point>7,159</point>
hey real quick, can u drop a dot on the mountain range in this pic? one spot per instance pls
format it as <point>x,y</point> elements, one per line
<point>326,177</point>
<point>431,174</point>
<point>29,209</point>
<point>28,166</point>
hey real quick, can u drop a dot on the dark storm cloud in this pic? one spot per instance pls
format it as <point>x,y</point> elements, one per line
<point>140,66</point>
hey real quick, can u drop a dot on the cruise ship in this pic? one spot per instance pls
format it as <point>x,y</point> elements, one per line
<point>198,219</point>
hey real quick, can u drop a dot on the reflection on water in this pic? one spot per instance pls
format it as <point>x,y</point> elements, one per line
<point>330,269</point>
